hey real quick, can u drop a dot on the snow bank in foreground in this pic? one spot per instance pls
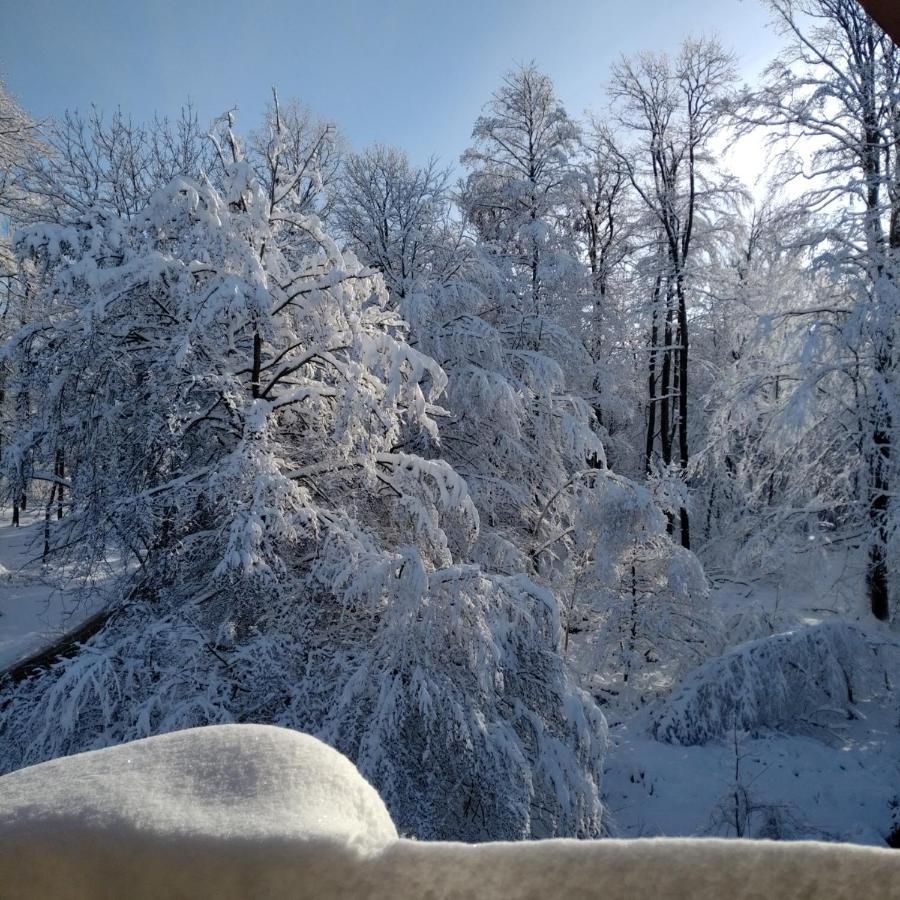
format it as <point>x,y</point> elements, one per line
<point>811,676</point>
<point>252,783</point>
<point>252,811</point>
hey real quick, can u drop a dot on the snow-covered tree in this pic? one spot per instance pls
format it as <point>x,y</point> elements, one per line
<point>667,112</point>
<point>92,161</point>
<point>398,218</point>
<point>836,87</point>
<point>515,432</point>
<point>520,170</point>
<point>513,429</point>
<point>295,153</point>
<point>764,488</point>
<point>18,137</point>
<point>636,605</point>
<point>233,424</point>
<point>605,221</point>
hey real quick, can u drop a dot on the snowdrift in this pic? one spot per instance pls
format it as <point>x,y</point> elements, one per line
<point>249,811</point>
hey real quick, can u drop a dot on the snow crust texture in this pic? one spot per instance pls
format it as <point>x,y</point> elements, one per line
<point>255,811</point>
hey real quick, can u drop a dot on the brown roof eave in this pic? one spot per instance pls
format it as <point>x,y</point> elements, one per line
<point>886,13</point>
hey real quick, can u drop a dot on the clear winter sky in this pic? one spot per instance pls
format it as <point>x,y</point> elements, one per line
<point>414,73</point>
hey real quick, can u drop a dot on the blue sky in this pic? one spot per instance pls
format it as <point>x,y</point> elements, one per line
<point>414,74</point>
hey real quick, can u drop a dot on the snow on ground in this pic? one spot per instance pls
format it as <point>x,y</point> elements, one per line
<point>254,811</point>
<point>830,772</point>
<point>33,609</point>
<point>772,785</point>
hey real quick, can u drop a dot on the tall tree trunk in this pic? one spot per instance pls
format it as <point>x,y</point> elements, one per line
<point>880,451</point>
<point>61,473</point>
<point>879,444</point>
<point>651,379</point>
<point>879,488</point>
<point>666,382</point>
<point>683,400</point>
<point>665,400</point>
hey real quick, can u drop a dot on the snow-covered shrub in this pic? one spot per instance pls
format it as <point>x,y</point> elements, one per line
<point>234,416</point>
<point>799,679</point>
<point>638,603</point>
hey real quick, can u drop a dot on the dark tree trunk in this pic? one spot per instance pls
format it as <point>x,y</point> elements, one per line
<point>877,574</point>
<point>666,384</point>
<point>61,473</point>
<point>879,449</point>
<point>879,500</point>
<point>257,365</point>
<point>683,401</point>
<point>651,379</point>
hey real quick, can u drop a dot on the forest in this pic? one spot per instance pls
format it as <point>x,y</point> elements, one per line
<point>555,486</point>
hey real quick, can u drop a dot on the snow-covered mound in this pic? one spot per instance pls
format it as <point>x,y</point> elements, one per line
<point>177,801</point>
<point>246,811</point>
<point>254,782</point>
<point>808,676</point>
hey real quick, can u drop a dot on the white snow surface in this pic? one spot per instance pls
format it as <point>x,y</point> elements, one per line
<point>256,811</point>
<point>34,609</point>
<point>791,734</point>
<point>250,782</point>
